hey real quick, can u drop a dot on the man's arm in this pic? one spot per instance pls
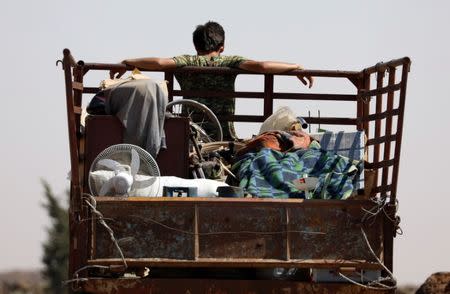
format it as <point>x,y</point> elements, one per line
<point>148,63</point>
<point>274,67</point>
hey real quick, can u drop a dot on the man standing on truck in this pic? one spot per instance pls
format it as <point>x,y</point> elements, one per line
<point>209,42</point>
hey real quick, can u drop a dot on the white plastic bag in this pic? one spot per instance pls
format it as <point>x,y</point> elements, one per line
<point>281,120</point>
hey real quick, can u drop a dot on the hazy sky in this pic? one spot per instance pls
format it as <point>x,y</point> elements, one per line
<point>345,35</point>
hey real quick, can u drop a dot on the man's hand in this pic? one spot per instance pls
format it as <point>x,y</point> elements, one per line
<point>306,80</point>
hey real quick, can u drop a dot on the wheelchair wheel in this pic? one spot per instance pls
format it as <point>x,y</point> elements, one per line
<point>203,121</point>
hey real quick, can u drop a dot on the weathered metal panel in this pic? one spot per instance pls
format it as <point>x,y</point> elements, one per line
<point>157,286</point>
<point>139,235</point>
<point>245,232</point>
<point>238,232</point>
<point>342,238</point>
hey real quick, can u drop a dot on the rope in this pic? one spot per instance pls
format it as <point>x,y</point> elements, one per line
<point>374,211</point>
<point>378,282</point>
<point>380,207</point>
<point>376,257</point>
<point>94,218</point>
<point>371,214</point>
<point>102,222</point>
<point>77,280</point>
<point>382,286</point>
<point>225,168</point>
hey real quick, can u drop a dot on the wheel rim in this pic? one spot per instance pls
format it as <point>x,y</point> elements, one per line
<point>202,120</point>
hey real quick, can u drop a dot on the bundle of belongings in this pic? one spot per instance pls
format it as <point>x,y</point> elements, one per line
<point>293,164</point>
<point>140,104</point>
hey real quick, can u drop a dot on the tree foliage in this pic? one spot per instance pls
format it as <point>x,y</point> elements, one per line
<point>56,247</point>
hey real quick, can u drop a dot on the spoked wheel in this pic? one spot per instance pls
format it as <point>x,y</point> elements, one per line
<point>203,121</point>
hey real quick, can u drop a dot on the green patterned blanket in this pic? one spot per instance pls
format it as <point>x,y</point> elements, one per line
<point>271,174</point>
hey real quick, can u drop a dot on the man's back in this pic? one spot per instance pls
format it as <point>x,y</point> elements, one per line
<point>209,42</point>
<point>220,106</point>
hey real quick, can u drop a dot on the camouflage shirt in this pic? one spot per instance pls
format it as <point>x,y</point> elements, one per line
<point>220,106</point>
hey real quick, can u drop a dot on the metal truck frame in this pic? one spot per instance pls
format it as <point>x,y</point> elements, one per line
<point>202,235</point>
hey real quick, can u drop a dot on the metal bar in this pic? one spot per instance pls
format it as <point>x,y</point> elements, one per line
<point>388,127</point>
<point>74,176</point>
<point>77,109</point>
<point>69,58</point>
<point>77,86</point>
<point>268,95</point>
<point>240,94</point>
<point>366,106</point>
<point>355,81</point>
<point>194,200</point>
<point>382,139</point>
<point>319,97</point>
<point>382,90</point>
<point>360,104</point>
<point>218,94</point>
<point>77,232</point>
<point>332,120</point>
<point>382,115</point>
<point>84,228</point>
<point>389,231</point>
<point>223,70</point>
<point>242,118</point>
<point>244,263</point>
<point>196,237</point>
<point>168,76</point>
<point>104,66</point>
<point>378,109</point>
<point>288,235</point>
<point>385,65</point>
<point>311,120</point>
<point>398,143</point>
<point>376,165</point>
<point>77,99</point>
<point>382,189</point>
<point>270,202</point>
<point>76,257</point>
<point>91,90</point>
<point>388,226</point>
<point>205,284</point>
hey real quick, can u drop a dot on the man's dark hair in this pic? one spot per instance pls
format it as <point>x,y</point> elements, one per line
<point>208,37</point>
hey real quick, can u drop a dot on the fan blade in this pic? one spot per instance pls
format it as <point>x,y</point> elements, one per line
<point>111,164</point>
<point>106,187</point>
<point>135,162</point>
<point>144,183</point>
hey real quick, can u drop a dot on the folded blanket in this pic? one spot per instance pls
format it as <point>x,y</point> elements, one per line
<point>277,140</point>
<point>140,105</point>
<point>271,173</point>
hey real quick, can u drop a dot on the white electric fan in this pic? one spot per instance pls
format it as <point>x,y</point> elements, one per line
<point>124,170</point>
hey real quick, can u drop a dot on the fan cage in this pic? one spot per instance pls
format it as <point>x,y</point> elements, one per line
<point>122,154</point>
